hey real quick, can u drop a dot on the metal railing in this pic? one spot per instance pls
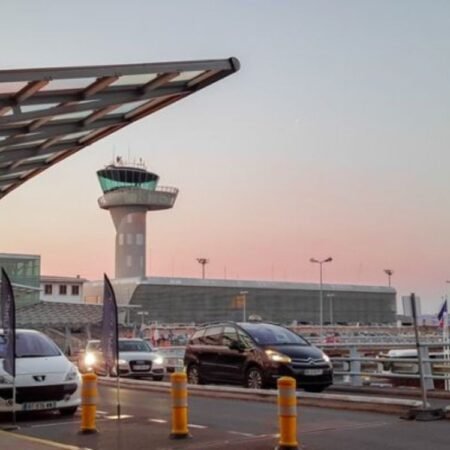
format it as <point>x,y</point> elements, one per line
<point>362,363</point>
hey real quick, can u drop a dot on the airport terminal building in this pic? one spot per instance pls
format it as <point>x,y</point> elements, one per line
<point>193,300</point>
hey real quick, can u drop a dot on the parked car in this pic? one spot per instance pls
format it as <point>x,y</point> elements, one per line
<point>173,357</point>
<point>136,359</point>
<point>45,378</point>
<point>255,355</point>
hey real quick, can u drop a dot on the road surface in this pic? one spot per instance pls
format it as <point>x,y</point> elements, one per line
<point>232,424</point>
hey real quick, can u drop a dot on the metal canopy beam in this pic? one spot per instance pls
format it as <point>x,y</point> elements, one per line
<point>49,114</point>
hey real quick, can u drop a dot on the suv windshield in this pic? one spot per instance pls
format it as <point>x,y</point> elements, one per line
<point>268,334</point>
<point>31,345</point>
<point>134,346</point>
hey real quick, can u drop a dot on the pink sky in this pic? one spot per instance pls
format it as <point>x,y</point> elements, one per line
<point>332,140</point>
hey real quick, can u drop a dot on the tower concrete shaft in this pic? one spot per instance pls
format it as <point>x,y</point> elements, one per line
<point>130,223</point>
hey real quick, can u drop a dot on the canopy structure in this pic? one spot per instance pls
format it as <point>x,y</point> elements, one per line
<point>60,314</point>
<point>49,114</point>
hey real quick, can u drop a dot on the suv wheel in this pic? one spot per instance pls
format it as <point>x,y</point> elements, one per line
<point>254,378</point>
<point>193,374</point>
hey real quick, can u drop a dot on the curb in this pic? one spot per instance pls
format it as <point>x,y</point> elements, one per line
<point>387,405</point>
<point>32,443</point>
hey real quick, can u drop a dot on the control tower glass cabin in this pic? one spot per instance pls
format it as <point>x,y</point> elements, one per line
<point>128,193</point>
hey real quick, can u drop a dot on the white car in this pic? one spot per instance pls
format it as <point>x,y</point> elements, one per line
<point>45,378</point>
<point>136,359</point>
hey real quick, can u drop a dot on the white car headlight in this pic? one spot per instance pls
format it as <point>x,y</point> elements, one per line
<point>122,362</point>
<point>278,357</point>
<point>72,374</point>
<point>159,360</point>
<point>90,359</point>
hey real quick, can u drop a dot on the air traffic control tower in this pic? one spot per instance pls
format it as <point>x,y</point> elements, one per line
<point>129,191</point>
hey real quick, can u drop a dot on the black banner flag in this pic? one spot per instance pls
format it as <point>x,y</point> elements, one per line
<point>8,324</point>
<point>110,334</point>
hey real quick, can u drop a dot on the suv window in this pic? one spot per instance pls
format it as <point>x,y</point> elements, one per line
<point>245,339</point>
<point>270,334</point>
<point>229,335</point>
<point>212,336</point>
<point>196,338</point>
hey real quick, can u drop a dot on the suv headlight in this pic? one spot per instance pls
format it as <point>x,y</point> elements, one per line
<point>123,362</point>
<point>72,374</point>
<point>278,357</point>
<point>327,359</point>
<point>159,360</point>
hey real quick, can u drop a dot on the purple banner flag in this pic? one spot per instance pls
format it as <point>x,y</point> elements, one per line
<point>110,334</point>
<point>8,324</point>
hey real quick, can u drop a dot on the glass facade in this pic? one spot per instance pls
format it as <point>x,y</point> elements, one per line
<point>114,177</point>
<point>200,304</point>
<point>24,271</point>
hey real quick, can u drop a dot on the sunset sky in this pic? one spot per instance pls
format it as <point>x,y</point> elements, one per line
<point>332,140</point>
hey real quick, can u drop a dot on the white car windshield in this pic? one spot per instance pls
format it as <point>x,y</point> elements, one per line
<point>31,345</point>
<point>134,346</point>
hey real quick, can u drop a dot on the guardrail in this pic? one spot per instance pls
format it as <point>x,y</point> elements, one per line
<point>359,363</point>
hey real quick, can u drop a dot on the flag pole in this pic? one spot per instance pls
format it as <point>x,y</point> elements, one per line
<point>446,347</point>
<point>118,390</point>
<point>14,404</point>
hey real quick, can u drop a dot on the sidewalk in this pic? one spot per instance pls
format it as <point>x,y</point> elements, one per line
<point>12,441</point>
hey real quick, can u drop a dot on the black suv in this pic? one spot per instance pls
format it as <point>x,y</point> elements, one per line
<point>255,354</point>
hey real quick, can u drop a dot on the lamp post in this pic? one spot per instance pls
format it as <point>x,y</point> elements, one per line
<point>203,262</point>
<point>321,262</point>
<point>243,295</point>
<point>389,273</point>
<point>142,314</point>
<point>331,296</point>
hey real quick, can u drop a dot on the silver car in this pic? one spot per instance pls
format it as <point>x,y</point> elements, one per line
<point>136,360</point>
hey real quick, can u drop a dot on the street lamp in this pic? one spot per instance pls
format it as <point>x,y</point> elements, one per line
<point>203,262</point>
<point>331,296</point>
<point>243,295</point>
<point>142,314</point>
<point>389,273</point>
<point>321,262</point>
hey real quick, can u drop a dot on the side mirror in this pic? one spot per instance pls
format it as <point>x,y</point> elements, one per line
<point>236,345</point>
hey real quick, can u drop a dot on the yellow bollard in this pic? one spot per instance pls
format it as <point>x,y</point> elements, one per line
<point>89,396</point>
<point>287,413</point>
<point>179,406</point>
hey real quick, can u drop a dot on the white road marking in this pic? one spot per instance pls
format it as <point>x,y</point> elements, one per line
<point>122,416</point>
<point>201,427</point>
<point>242,434</point>
<point>102,412</point>
<point>157,420</point>
<point>52,424</point>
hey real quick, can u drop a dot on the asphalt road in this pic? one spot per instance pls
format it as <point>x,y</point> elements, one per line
<point>232,424</point>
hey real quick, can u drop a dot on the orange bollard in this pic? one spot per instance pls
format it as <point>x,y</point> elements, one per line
<point>179,406</point>
<point>287,413</point>
<point>89,396</point>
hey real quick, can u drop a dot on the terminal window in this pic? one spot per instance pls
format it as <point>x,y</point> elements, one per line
<point>75,290</point>
<point>48,289</point>
<point>62,289</point>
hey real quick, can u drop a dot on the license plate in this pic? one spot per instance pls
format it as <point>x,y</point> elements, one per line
<point>36,406</point>
<point>313,372</point>
<point>141,367</point>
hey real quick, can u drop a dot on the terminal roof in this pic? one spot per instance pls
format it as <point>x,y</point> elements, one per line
<point>49,114</point>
